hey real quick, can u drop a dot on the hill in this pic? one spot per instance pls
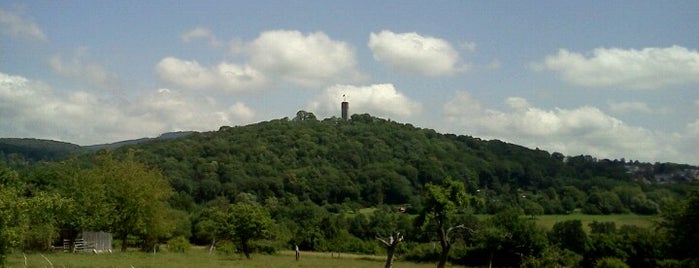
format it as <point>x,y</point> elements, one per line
<point>368,161</point>
<point>38,150</point>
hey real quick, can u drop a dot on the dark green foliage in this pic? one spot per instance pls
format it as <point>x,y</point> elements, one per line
<point>569,235</point>
<point>519,237</point>
<point>680,223</point>
<point>36,150</point>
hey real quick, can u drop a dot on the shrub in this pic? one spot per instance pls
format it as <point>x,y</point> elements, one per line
<point>423,253</point>
<point>609,262</point>
<point>178,244</point>
<point>226,247</point>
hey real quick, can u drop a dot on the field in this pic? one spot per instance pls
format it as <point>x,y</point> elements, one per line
<point>198,257</point>
<point>547,221</point>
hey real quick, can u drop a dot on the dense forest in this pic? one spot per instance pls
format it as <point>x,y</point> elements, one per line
<point>306,182</point>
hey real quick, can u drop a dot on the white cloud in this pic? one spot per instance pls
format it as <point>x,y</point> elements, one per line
<point>649,68</point>
<point>629,107</point>
<point>225,76</point>
<point>308,60</point>
<point>382,100</point>
<point>16,26</point>
<point>582,130</point>
<point>33,109</point>
<point>200,33</point>
<point>416,54</point>
<point>80,70</point>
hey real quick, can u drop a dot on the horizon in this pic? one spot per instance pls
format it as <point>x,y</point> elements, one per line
<point>611,80</point>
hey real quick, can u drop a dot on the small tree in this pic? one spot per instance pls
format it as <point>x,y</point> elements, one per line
<point>442,203</point>
<point>245,222</point>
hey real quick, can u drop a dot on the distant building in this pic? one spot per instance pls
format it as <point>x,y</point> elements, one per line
<point>345,109</point>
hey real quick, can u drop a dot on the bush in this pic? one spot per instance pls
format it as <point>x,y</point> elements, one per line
<point>609,262</point>
<point>423,253</point>
<point>178,244</point>
<point>264,246</point>
<point>226,247</point>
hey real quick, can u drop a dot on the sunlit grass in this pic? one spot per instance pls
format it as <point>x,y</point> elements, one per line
<point>198,257</point>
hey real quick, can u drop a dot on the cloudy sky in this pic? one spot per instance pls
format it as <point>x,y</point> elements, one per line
<point>612,80</point>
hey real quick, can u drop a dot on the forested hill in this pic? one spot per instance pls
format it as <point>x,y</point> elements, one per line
<point>369,161</point>
<point>36,149</point>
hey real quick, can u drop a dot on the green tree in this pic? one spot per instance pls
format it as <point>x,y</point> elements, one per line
<point>136,196</point>
<point>679,221</point>
<point>569,235</point>
<point>245,222</point>
<point>13,219</point>
<point>442,203</point>
<point>524,237</point>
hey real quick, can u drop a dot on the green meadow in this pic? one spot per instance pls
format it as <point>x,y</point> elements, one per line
<point>199,257</point>
<point>547,221</point>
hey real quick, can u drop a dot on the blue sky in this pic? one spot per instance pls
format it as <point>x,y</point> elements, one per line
<point>612,80</point>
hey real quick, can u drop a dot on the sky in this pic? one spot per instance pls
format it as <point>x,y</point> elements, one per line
<point>610,79</point>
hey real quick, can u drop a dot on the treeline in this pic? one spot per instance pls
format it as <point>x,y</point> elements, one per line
<point>135,203</point>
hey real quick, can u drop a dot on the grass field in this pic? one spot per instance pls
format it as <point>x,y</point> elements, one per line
<point>198,257</point>
<point>547,221</point>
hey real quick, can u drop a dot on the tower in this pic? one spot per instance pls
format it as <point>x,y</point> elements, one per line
<point>345,108</point>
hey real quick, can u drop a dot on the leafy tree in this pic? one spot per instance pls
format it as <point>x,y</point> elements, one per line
<point>441,205</point>
<point>523,239</point>
<point>245,222</point>
<point>13,220</point>
<point>136,196</point>
<point>679,221</point>
<point>569,235</point>
<point>492,238</point>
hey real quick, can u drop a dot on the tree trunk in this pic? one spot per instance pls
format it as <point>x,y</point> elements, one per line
<point>389,257</point>
<point>246,249</point>
<point>124,244</point>
<point>213,244</point>
<point>444,255</point>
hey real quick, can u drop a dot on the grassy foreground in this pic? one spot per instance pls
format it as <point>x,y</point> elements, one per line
<point>198,257</point>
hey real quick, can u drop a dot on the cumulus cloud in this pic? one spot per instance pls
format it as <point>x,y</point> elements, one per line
<point>273,58</point>
<point>416,54</point>
<point>648,68</point>
<point>200,33</point>
<point>32,109</point>
<point>382,100</point>
<point>14,25</point>
<point>78,69</point>
<point>224,76</point>
<point>308,60</point>
<point>582,130</point>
